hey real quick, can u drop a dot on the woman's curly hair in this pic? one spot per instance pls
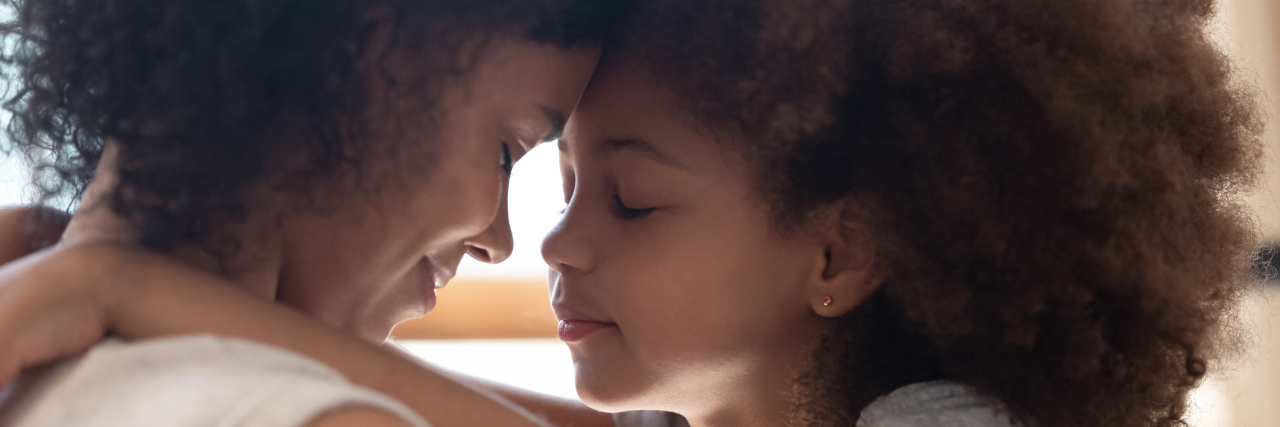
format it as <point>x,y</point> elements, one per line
<point>1053,187</point>
<point>206,97</point>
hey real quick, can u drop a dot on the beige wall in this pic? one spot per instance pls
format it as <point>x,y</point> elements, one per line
<point>1253,28</point>
<point>1247,394</point>
<point>480,308</point>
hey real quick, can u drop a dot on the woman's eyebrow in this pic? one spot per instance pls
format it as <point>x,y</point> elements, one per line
<point>556,121</point>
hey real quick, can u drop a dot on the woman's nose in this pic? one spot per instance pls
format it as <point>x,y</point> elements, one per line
<point>494,244</point>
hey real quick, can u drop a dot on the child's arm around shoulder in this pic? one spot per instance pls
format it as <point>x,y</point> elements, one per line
<point>61,300</point>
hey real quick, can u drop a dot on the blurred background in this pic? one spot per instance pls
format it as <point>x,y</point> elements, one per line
<point>1247,391</point>
<point>494,321</point>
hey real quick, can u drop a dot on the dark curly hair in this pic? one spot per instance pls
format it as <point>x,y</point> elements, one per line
<point>206,97</point>
<point>1053,187</point>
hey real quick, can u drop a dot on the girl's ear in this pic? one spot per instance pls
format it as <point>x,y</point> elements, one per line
<point>849,271</point>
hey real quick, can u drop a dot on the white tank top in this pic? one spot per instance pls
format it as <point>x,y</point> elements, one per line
<point>192,380</point>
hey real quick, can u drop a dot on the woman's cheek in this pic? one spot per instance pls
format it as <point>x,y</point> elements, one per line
<point>478,199</point>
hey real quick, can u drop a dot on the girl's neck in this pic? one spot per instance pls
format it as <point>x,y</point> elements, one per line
<point>764,394</point>
<point>758,408</point>
<point>255,269</point>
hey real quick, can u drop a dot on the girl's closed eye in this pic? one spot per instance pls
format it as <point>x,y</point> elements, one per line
<point>622,211</point>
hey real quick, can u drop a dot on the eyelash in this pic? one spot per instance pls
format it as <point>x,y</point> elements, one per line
<point>623,212</point>
<point>505,162</point>
<point>620,210</point>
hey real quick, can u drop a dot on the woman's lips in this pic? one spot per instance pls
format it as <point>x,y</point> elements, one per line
<point>429,280</point>
<point>576,330</point>
<point>440,275</point>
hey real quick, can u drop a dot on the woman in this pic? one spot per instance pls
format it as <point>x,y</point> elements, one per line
<point>339,157</point>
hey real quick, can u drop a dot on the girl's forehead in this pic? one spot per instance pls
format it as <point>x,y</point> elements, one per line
<point>624,111</point>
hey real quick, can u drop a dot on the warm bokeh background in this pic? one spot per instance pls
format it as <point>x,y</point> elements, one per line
<point>1247,392</point>
<point>494,321</point>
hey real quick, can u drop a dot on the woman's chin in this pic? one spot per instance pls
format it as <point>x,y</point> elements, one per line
<point>379,330</point>
<point>377,325</point>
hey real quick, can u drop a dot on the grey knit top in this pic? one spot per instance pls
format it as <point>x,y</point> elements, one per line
<point>929,404</point>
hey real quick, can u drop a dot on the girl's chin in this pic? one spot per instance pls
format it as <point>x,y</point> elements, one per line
<point>609,402</point>
<point>607,387</point>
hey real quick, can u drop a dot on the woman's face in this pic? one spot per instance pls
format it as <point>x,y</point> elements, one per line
<point>672,291</point>
<point>376,258</point>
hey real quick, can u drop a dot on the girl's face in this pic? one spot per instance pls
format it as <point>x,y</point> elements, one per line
<point>376,259</point>
<point>672,290</point>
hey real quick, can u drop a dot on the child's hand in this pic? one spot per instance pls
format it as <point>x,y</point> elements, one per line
<point>50,306</point>
<point>24,230</point>
<point>62,300</point>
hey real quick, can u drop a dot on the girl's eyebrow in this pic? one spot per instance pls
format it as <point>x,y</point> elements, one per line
<point>640,146</point>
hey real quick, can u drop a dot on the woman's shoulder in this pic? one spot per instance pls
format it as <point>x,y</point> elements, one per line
<point>935,403</point>
<point>190,380</point>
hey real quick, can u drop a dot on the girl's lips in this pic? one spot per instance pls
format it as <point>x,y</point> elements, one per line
<point>576,330</point>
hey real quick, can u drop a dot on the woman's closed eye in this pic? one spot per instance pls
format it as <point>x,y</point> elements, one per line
<point>622,211</point>
<point>505,161</point>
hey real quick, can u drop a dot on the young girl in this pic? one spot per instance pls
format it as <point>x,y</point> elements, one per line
<point>1032,200</point>
<point>882,213</point>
